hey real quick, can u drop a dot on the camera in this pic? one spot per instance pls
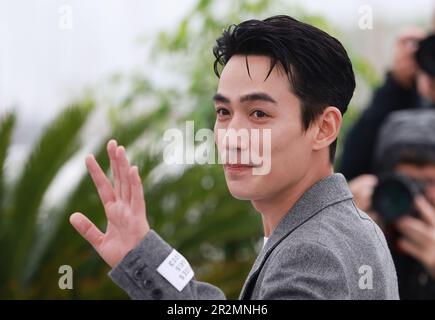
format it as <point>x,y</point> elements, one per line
<point>425,54</point>
<point>393,197</point>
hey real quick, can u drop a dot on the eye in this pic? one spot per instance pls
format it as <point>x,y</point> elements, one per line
<point>222,112</point>
<point>259,114</point>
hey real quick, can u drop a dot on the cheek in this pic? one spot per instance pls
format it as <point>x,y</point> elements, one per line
<point>215,129</point>
<point>290,150</point>
<point>290,143</point>
<point>430,194</point>
<point>424,86</point>
<point>217,126</point>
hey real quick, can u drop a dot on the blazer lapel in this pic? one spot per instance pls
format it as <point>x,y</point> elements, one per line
<point>325,192</point>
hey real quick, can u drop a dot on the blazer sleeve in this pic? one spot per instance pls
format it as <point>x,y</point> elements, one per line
<point>305,271</point>
<point>137,274</point>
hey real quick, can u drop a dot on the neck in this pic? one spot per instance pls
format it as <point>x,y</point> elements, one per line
<point>274,208</point>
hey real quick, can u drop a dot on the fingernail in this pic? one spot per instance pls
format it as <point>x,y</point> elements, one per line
<point>120,151</point>
<point>89,157</point>
<point>75,216</point>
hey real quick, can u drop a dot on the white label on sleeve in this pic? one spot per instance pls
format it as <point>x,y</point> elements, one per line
<point>176,269</point>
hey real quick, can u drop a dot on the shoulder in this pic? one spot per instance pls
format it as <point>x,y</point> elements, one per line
<point>306,254</point>
<point>304,270</point>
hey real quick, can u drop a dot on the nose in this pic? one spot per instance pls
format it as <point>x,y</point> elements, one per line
<point>237,135</point>
<point>234,141</point>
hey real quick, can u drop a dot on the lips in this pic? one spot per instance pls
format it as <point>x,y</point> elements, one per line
<point>237,167</point>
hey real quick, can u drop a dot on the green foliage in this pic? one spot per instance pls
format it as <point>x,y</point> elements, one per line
<point>6,127</point>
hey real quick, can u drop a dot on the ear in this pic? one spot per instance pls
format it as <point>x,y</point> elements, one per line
<point>327,128</point>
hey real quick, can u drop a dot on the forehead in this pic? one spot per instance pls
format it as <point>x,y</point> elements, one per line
<point>427,171</point>
<point>243,74</point>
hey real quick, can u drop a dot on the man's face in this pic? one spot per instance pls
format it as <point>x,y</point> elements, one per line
<point>426,85</point>
<point>252,103</point>
<point>425,174</point>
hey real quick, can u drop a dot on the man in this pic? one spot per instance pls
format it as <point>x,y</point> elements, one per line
<point>295,80</point>
<point>410,84</point>
<point>410,151</point>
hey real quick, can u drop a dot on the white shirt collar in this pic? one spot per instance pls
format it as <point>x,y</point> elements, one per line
<point>265,240</point>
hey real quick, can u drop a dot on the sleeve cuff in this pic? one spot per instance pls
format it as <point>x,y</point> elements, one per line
<point>136,273</point>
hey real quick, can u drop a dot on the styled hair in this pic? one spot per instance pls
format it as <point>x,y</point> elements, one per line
<point>405,137</point>
<point>417,155</point>
<point>318,68</point>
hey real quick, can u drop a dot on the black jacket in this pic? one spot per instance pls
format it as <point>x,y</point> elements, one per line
<point>359,144</point>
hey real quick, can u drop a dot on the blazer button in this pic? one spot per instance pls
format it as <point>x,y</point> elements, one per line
<point>148,283</point>
<point>138,273</point>
<point>157,294</point>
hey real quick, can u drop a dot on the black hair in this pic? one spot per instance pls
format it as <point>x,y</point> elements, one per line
<point>317,65</point>
<point>418,155</point>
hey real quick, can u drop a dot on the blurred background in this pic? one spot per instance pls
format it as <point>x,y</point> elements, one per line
<point>74,74</point>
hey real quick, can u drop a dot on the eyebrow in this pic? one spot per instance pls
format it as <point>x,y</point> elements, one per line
<point>255,96</point>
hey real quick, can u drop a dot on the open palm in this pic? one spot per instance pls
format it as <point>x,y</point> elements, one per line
<point>123,203</point>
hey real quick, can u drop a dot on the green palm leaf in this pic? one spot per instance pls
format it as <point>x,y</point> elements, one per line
<point>57,144</point>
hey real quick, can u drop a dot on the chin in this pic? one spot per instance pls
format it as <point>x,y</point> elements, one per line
<point>241,195</point>
<point>242,191</point>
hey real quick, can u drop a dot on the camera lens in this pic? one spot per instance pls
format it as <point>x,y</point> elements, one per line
<point>425,55</point>
<point>394,195</point>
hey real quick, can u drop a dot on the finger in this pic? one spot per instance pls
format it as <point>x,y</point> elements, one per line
<point>111,150</point>
<point>414,229</point>
<point>102,183</point>
<point>137,203</point>
<point>87,229</point>
<point>369,180</point>
<point>124,168</point>
<point>411,249</point>
<point>426,210</point>
<point>411,34</point>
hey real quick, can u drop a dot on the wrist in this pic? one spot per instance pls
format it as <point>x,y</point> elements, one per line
<point>403,81</point>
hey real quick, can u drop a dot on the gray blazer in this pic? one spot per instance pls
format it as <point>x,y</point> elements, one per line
<point>323,248</point>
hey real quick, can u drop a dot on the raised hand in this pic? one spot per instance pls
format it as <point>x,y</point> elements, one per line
<point>123,203</point>
<point>404,67</point>
<point>419,234</point>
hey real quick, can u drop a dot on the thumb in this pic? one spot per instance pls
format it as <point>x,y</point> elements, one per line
<point>87,229</point>
<point>425,209</point>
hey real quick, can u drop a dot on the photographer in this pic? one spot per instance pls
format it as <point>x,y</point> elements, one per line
<point>409,85</point>
<point>401,197</point>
